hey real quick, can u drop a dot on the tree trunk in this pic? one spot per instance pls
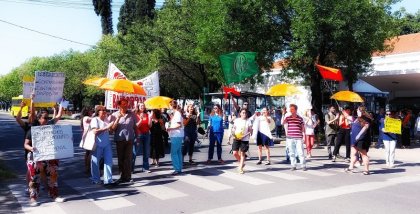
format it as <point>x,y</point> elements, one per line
<point>316,94</point>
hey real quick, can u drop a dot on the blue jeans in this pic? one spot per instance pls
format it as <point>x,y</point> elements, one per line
<point>295,146</point>
<point>215,137</point>
<point>142,142</point>
<point>106,153</point>
<point>176,153</point>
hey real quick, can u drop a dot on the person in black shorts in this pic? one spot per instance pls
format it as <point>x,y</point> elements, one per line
<point>241,130</point>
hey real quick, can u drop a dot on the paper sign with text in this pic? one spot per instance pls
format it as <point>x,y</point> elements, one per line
<point>49,86</point>
<point>52,142</point>
<point>392,125</point>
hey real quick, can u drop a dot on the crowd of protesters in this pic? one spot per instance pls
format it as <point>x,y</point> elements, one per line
<point>146,132</point>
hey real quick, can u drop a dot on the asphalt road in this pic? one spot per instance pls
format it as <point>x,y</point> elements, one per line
<point>324,188</point>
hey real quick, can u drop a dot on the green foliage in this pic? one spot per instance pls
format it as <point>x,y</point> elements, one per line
<point>408,23</point>
<point>103,9</point>
<point>135,11</point>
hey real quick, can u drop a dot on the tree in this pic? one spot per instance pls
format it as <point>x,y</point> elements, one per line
<point>103,9</point>
<point>340,34</point>
<point>186,38</point>
<point>409,23</point>
<point>135,11</point>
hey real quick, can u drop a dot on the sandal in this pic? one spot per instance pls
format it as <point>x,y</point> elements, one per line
<point>366,173</point>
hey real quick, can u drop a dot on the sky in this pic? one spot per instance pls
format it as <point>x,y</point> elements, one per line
<point>69,19</point>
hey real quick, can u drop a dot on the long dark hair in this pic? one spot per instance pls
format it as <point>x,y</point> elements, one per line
<point>85,112</point>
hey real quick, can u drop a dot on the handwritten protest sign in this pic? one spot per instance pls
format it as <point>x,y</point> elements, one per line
<point>28,86</point>
<point>48,87</point>
<point>392,125</point>
<point>52,142</point>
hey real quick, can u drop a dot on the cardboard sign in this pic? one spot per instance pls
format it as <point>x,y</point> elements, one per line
<point>52,142</point>
<point>48,87</point>
<point>28,86</point>
<point>392,125</point>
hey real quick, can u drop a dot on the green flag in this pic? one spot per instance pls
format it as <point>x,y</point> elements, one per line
<point>237,66</point>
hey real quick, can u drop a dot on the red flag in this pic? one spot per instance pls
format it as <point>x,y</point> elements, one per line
<point>330,73</point>
<point>228,90</point>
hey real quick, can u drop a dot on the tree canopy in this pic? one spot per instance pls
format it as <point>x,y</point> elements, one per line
<point>184,38</point>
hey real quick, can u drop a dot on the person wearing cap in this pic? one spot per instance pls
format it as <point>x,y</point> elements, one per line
<point>124,126</point>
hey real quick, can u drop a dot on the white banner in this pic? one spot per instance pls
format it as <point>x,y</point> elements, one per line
<point>48,86</point>
<point>149,83</point>
<point>52,142</point>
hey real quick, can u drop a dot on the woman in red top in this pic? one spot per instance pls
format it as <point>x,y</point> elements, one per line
<point>343,136</point>
<point>142,137</point>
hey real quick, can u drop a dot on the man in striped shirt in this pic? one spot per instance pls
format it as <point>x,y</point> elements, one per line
<point>295,137</point>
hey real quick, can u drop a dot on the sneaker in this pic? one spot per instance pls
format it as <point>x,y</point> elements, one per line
<point>330,157</point>
<point>33,203</point>
<point>366,173</point>
<point>59,199</point>
<point>110,184</point>
<point>259,162</point>
<point>267,163</point>
<point>391,166</point>
<point>347,160</point>
<point>304,168</point>
<point>334,158</point>
<point>175,173</point>
<point>192,162</point>
<point>241,171</point>
<point>221,161</point>
<point>208,162</point>
<point>147,171</point>
<point>293,169</point>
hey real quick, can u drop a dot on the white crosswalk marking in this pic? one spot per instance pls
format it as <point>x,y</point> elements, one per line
<point>45,204</point>
<point>300,197</point>
<point>241,178</point>
<point>159,191</point>
<point>103,198</point>
<point>277,174</point>
<point>203,183</point>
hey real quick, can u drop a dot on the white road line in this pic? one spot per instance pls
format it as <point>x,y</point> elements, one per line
<point>238,177</point>
<point>158,191</point>
<point>45,204</point>
<point>296,198</point>
<point>316,172</point>
<point>274,173</point>
<point>197,180</point>
<point>101,197</point>
<point>203,183</point>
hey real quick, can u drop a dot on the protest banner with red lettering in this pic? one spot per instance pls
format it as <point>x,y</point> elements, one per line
<point>149,83</point>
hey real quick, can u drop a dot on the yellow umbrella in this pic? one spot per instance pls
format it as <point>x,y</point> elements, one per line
<point>347,96</point>
<point>282,90</point>
<point>157,102</point>
<point>123,86</point>
<point>96,81</point>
